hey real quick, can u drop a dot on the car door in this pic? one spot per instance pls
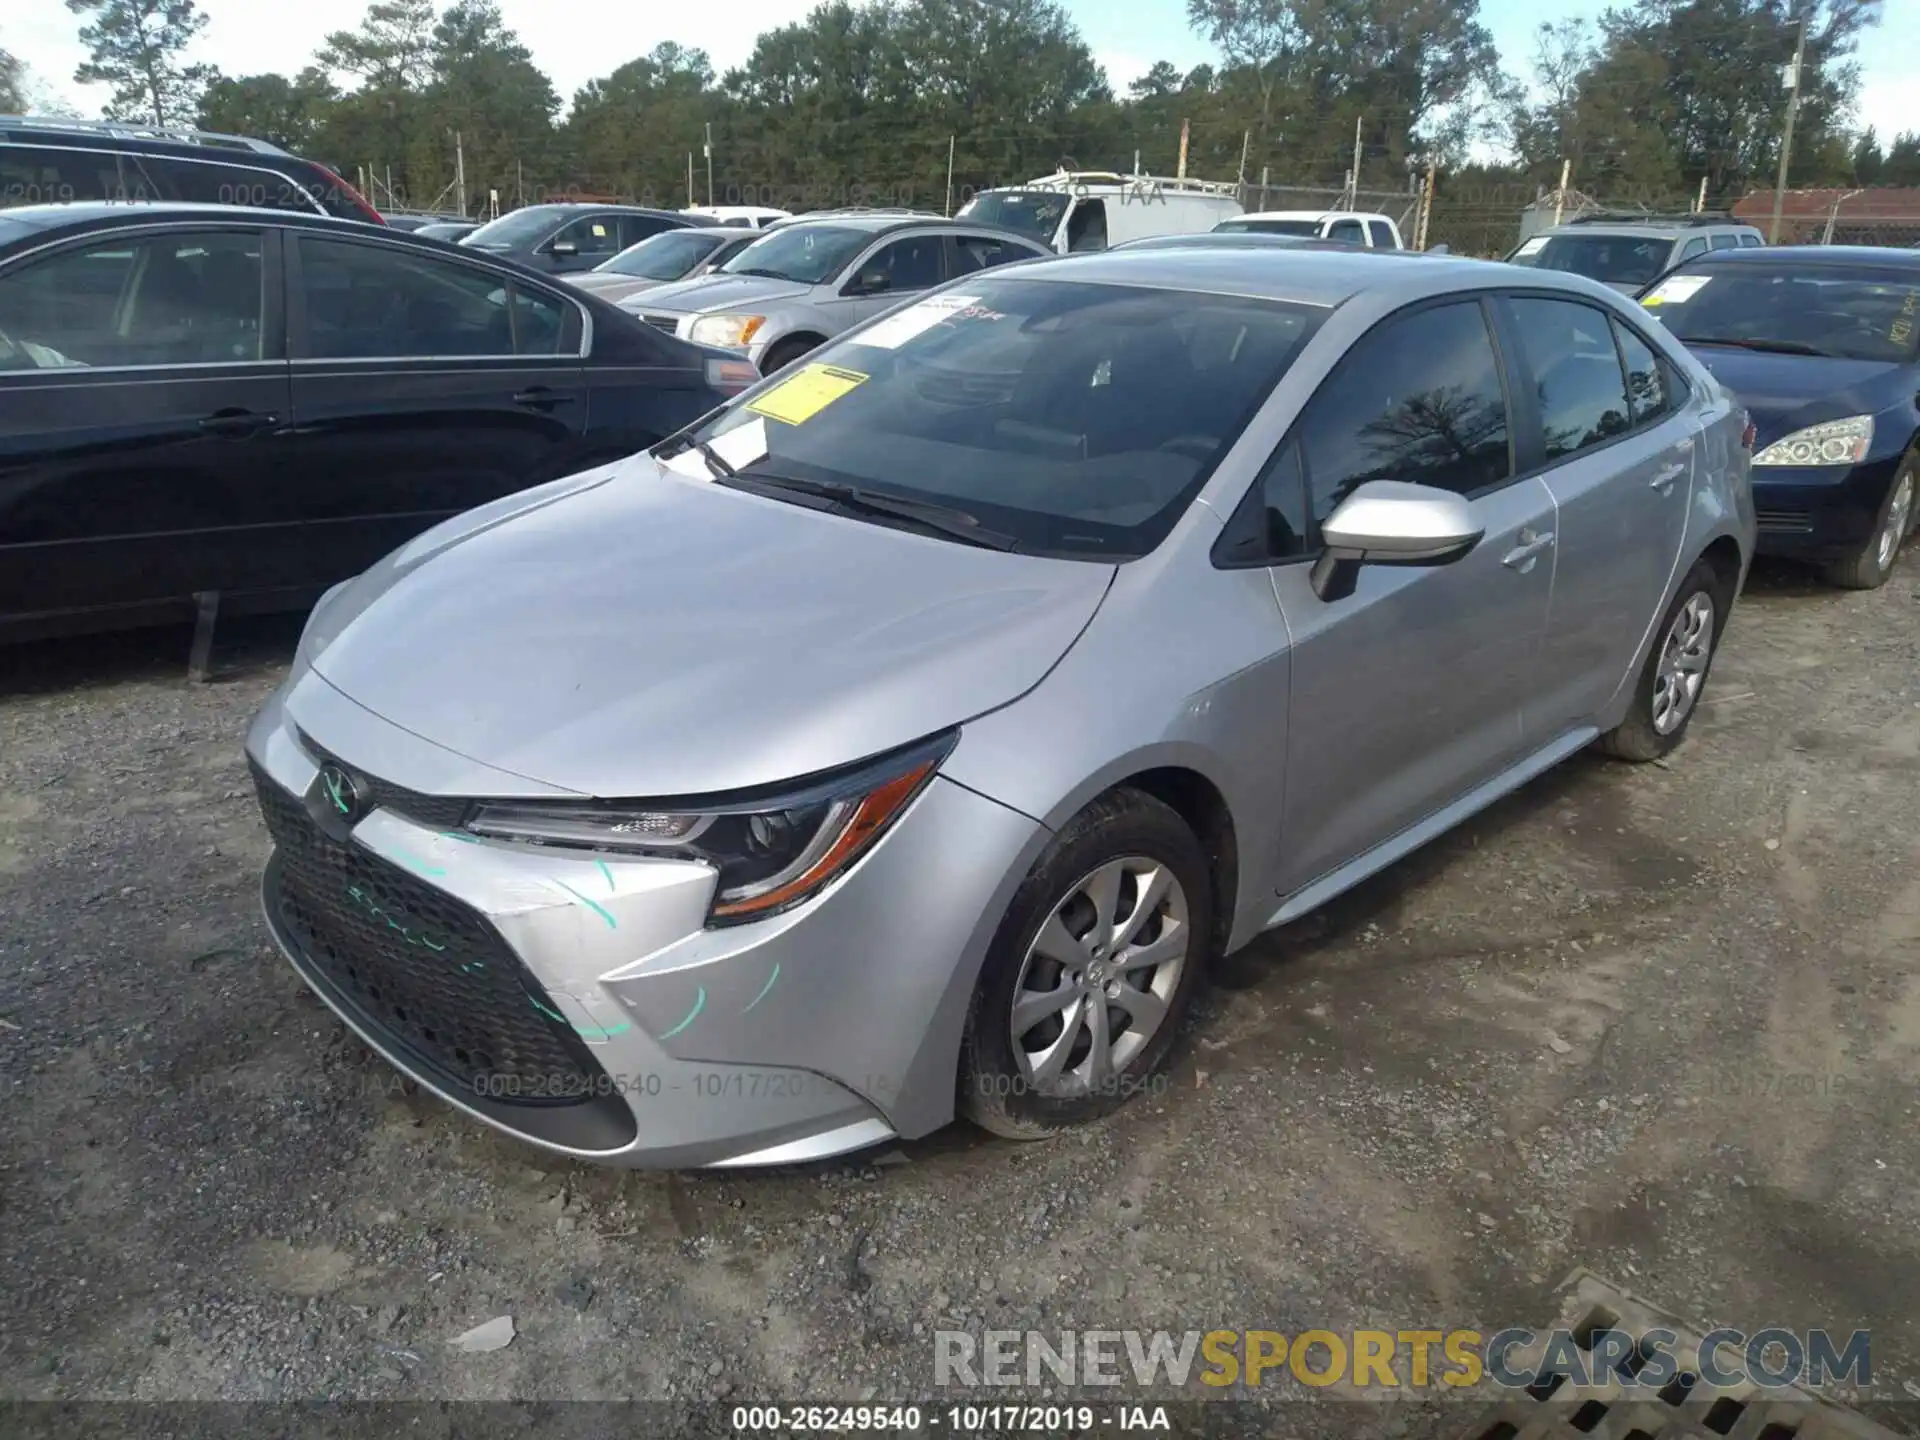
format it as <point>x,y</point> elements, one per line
<point>889,273</point>
<point>582,244</point>
<point>1599,425</point>
<point>143,398</point>
<point>1409,692</point>
<point>423,385</point>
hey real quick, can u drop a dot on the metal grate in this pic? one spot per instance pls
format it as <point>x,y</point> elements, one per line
<point>421,968</point>
<point>1784,522</point>
<point>1682,1410</point>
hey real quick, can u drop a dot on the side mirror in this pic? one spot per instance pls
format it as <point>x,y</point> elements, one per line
<point>563,249</point>
<point>1388,522</point>
<point>871,282</point>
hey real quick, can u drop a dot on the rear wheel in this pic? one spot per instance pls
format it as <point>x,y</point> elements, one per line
<point>1870,567</point>
<point>1675,672</point>
<point>1090,973</point>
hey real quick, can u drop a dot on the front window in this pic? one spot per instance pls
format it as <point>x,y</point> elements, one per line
<point>1845,311</point>
<point>1612,259</point>
<point>1066,419</point>
<point>1254,225</point>
<point>666,256</point>
<point>1035,214</point>
<point>517,228</point>
<point>804,254</point>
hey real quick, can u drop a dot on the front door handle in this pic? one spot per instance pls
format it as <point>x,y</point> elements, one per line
<point>540,397</point>
<point>236,423</point>
<point>1532,545</point>
<point>1667,474</point>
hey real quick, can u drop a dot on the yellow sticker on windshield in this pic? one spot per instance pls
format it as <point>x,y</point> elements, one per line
<point>599,232</point>
<point>799,399</point>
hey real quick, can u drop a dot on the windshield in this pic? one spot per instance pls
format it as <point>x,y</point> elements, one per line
<point>1615,259</point>
<point>1033,213</point>
<point>1079,420</point>
<point>806,254</point>
<point>1853,313</point>
<point>666,256</point>
<point>1267,227</point>
<point>518,227</point>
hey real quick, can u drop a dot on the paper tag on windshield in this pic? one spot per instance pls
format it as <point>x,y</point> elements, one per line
<point>798,400</point>
<point>894,331</point>
<point>1677,289</point>
<point>1533,246</point>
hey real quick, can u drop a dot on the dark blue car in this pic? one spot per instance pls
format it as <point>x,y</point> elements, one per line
<point>1822,345</point>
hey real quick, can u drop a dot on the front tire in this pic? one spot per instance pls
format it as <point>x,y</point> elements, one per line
<point>1675,673</point>
<point>1091,971</point>
<point>1870,567</point>
<point>786,352</point>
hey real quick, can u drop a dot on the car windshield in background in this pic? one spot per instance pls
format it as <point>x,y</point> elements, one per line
<point>1063,419</point>
<point>1614,259</point>
<point>666,256</point>
<point>1267,227</point>
<point>1032,213</point>
<point>1849,313</point>
<point>805,254</point>
<point>516,227</point>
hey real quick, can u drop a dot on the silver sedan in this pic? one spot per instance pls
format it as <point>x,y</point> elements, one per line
<point>908,736</point>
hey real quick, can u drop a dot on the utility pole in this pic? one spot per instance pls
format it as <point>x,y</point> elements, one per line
<point>1700,204</point>
<point>1136,162</point>
<point>1560,195</point>
<point>459,174</point>
<point>709,149</point>
<point>519,184</point>
<point>1786,141</point>
<point>690,201</point>
<point>1263,186</point>
<point>1240,180</point>
<point>949,209</point>
<point>1426,211</point>
<point>1185,129</point>
<point>1353,183</point>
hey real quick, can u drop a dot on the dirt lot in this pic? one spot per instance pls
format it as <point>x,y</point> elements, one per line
<point>1662,1022</point>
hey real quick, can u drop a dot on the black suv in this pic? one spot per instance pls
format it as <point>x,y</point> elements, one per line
<point>202,400</point>
<point>575,236</point>
<point>47,161</point>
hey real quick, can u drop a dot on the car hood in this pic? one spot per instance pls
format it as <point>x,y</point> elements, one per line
<point>634,633</point>
<point>611,286</point>
<point>708,294</point>
<point>1784,393</point>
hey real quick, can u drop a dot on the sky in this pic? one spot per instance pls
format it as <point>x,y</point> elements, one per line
<point>576,41</point>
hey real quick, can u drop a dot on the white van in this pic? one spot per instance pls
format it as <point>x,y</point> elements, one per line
<point>1349,227</point>
<point>751,217</point>
<point>1093,209</point>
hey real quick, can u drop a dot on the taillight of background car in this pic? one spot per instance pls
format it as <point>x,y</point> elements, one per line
<point>730,377</point>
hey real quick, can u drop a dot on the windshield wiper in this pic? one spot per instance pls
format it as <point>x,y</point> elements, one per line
<point>1775,347</point>
<point>948,520</point>
<point>758,270</point>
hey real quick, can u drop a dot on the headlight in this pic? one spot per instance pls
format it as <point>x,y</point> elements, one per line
<point>771,853</point>
<point>729,332</point>
<point>1835,442</point>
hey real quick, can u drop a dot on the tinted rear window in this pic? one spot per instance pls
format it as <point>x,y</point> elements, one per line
<point>1268,227</point>
<point>1078,419</point>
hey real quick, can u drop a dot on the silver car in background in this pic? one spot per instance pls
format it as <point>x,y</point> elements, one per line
<point>910,734</point>
<point>806,281</point>
<point>662,259</point>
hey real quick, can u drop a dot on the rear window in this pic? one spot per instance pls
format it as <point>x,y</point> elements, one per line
<point>1863,313</point>
<point>1077,419</point>
<point>1614,259</point>
<point>1246,225</point>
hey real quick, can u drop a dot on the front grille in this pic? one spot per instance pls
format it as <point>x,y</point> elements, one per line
<point>1780,521</point>
<point>668,323</point>
<point>441,812</point>
<point>421,968</point>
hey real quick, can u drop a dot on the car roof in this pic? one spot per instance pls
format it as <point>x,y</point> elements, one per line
<point>1851,256</point>
<point>886,224</point>
<point>1641,229</point>
<point>1245,239</point>
<point>1308,215</point>
<point>1308,277</point>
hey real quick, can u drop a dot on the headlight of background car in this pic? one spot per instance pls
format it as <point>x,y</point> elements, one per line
<point>771,853</point>
<point>1835,442</point>
<point>730,332</point>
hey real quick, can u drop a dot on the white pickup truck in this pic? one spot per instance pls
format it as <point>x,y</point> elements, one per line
<point>1351,227</point>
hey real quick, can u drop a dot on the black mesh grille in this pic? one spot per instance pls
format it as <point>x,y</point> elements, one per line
<point>422,968</point>
<point>443,811</point>
<point>668,323</point>
<point>1784,521</point>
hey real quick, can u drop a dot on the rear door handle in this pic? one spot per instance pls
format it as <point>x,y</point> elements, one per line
<point>540,397</point>
<point>1530,548</point>
<point>236,422</point>
<point>1667,474</point>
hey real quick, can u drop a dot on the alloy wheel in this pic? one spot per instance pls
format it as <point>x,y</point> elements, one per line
<point>1684,655</point>
<point>1899,516</point>
<point>1098,978</point>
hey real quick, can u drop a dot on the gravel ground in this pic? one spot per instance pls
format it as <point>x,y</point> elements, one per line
<point>1660,1022</point>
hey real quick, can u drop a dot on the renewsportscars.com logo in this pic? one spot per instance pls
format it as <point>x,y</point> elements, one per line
<point>1516,1359</point>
